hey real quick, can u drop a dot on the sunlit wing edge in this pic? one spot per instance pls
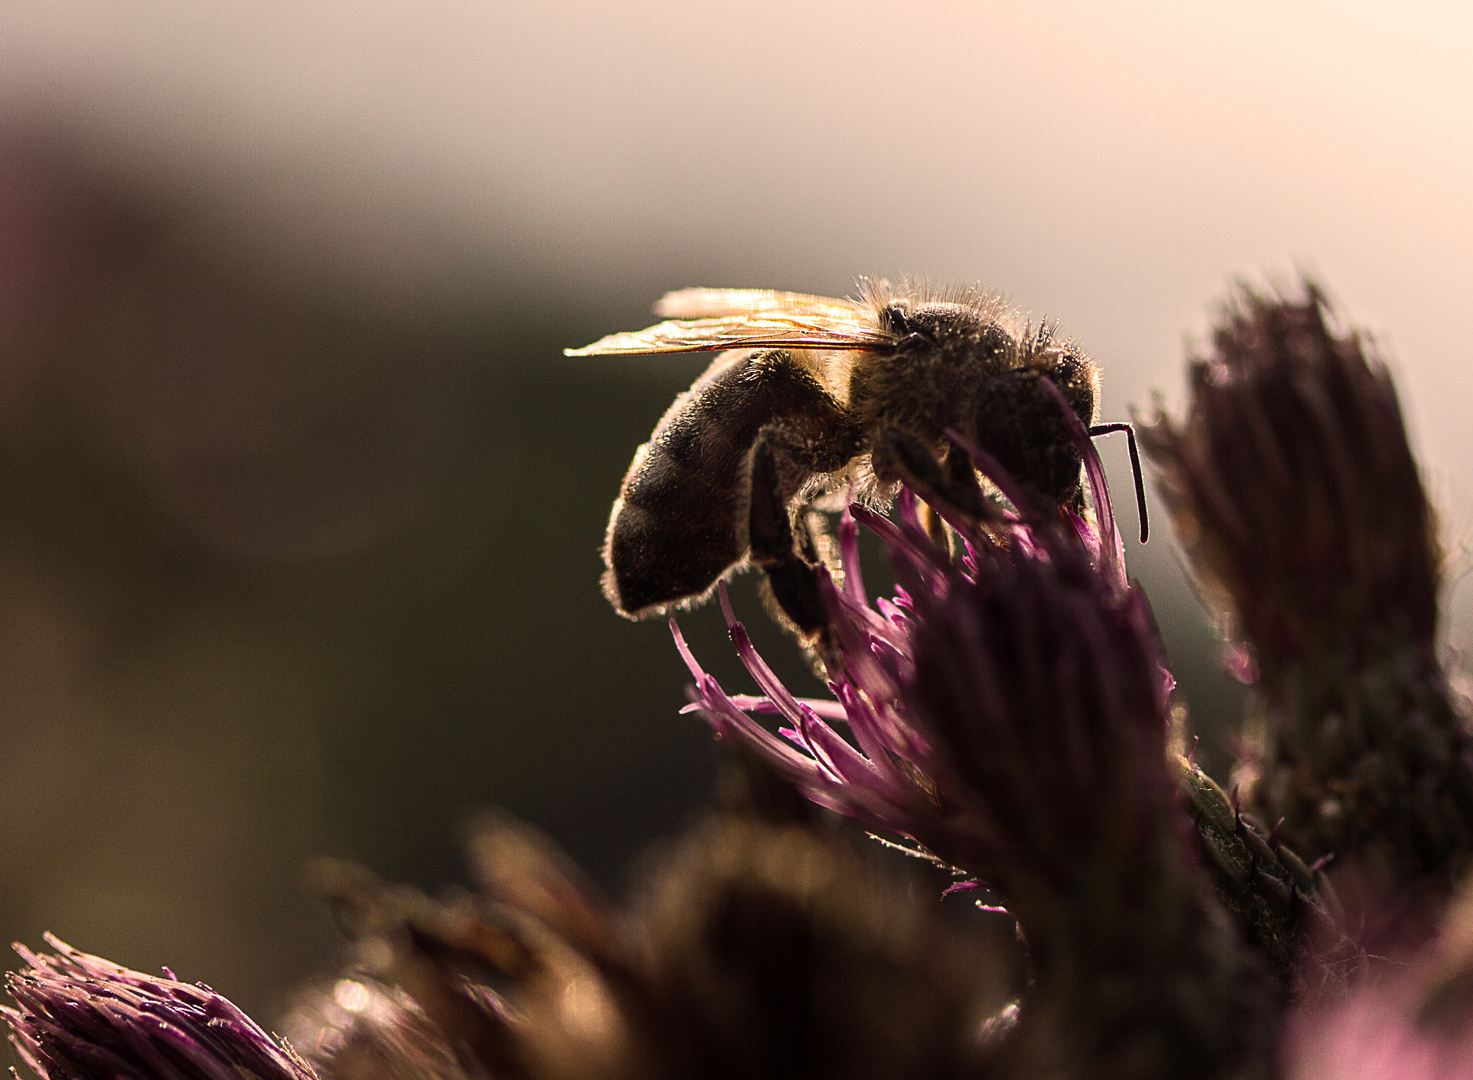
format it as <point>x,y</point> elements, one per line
<point>704,303</point>
<point>715,335</point>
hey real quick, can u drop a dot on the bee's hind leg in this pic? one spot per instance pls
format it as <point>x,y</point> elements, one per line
<point>794,581</point>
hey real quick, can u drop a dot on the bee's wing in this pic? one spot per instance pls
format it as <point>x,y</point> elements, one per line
<point>748,319</point>
<point>719,303</point>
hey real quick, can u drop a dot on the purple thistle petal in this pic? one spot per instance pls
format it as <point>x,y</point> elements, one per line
<point>887,624</point>
<point>777,694</point>
<point>908,509</point>
<point>898,662</point>
<point>849,555</point>
<point>1087,533</point>
<point>729,720</point>
<point>802,737</point>
<point>961,887</point>
<point>830,711</point>
<point>723,715</point>
<point>831,783</point>
<point>846,764</point>
<point>918,551</point>
<point>1112,546</point>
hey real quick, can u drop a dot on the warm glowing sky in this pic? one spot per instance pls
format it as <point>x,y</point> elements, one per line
<point>1111,165</point>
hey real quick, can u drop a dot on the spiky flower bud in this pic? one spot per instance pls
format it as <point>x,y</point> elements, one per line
<point>79,1017</point>
<point>1295,494</point>
<point>1292,487</point>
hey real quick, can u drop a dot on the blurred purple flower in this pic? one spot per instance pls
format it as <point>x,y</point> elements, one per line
<point>1408,1015</point>
<point>1373,1036</point>
<point>80,1017</point>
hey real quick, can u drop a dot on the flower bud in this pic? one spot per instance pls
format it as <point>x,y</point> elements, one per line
<point>79,1017</point>
<point>1293,490</point>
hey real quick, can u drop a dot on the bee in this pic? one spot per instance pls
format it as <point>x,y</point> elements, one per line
<point>814,400</point>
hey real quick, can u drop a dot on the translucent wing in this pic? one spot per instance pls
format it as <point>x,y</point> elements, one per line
<point>715,319</point>
<point>718,303</point>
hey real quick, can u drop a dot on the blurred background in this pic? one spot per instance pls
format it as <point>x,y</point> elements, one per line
<point>300,503</point>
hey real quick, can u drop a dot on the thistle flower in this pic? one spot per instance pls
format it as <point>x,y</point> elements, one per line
<point>79,1017</point>
<point>1009,714</point>
<point>1293,490</point>
<point>890,776</point>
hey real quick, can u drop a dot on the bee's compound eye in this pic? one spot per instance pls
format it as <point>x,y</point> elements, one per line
<point>1074,374</point>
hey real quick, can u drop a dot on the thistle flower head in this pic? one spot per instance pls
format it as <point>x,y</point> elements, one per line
<point>1008,713</point>
<point>986,702</point>
<point>79,1017</point>
<point>1039,689</point>
<point>1293,489</point>
<point>1291,484</point>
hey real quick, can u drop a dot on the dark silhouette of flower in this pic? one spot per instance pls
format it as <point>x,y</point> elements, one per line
<point>752,949</point>
<point>1293,489</point>
<point>79,1017</point>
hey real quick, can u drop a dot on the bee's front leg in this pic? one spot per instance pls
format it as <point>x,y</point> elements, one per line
<point>950,485</point>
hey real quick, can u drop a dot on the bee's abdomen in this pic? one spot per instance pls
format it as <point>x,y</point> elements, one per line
<point>681,520</point>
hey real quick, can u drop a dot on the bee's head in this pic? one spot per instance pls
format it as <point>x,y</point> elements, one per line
<point>1019,422</point>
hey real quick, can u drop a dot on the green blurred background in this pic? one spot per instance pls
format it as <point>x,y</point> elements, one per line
<point>300,503</point>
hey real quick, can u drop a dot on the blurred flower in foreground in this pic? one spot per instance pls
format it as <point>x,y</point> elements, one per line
<point>751,950</point>
<point>1293,490</point>
<point>79,1017</point>
<point>362,1029</point>
<point>1409,1020</point>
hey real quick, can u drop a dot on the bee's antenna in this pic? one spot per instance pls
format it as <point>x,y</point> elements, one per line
<point>1135,468</point>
